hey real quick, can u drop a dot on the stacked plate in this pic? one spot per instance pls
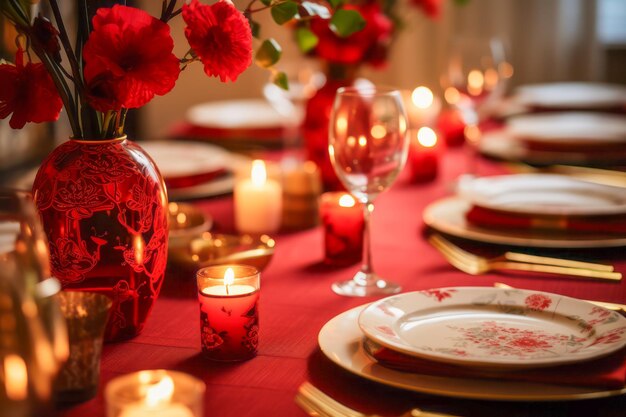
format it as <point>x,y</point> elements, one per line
<point>194,170</point>
<point>234,124</point>
<point>540,210</point>
<point>569,123</point>
<point>465,341</point>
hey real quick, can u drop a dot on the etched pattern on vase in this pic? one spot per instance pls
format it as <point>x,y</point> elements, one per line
<point>103,206</point>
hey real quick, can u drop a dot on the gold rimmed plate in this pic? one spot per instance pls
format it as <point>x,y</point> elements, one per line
<point>448,216</point>
<point>214,249</point>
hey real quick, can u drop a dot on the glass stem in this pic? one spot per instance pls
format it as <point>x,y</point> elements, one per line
<point>366,266</point>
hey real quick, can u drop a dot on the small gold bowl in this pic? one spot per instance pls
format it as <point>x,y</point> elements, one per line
<point>187,222</point>
<point>216,249</point>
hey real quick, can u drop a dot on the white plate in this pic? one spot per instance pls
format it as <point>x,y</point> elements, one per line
<point>543,194</point>
<point>235,114</point>
<point>448,216</point>
<point>494,327</point>
<point>182,159</point>
<point>500,144</point>
<point>569,127</point>
<point>572,95</point>
<point>340,340</point>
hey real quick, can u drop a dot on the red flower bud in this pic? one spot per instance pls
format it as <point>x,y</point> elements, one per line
<point>47,36</point>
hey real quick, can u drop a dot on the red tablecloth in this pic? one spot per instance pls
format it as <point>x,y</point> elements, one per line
<point>296,301</point>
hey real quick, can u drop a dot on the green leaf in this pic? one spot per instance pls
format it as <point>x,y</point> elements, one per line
<point>266,2</point>
<point>308,8</point>
<point>284,12</point>
<point>268,54</point>
<point>306,39</point>
<point>255,27</point>
<point>461,2</point>
<point>336,3</point>
<point>280,79</point>
<point>346,22</point>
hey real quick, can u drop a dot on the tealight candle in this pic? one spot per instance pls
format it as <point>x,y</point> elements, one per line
<point>258,202</point>
<point>155,393</point>
<point>343,222</point>
<point>422,107</point>
<point>229,318</point>
<point>424,155</point>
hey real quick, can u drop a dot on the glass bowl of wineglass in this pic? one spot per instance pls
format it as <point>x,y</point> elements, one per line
<point>368,148</point>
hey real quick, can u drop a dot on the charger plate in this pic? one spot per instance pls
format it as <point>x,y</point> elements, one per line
<point>494,327</point>
<point>543,194</point>
<point>340,340</point>
<point>448,216</point>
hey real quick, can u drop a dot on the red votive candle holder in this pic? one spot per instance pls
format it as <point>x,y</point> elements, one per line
<point>423,155</point>
<point>342,217</point>
<point>229,315</point>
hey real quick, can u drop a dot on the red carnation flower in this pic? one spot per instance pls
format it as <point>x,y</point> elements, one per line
<point>28,92</point>
<point>432,8</point>
<point>366,45</point>
<point>220,35</point>
<point>128,59</point>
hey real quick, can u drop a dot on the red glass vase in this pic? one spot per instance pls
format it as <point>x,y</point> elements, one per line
<point>103,205</point>
<point>317,118</point>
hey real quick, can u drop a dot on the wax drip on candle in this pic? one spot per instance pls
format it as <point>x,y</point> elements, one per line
<point>229,278</point>
<point>258,172</point>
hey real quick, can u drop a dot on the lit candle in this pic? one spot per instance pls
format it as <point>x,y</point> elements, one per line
<point>258,202</point>
<point>155,393</point>
<point>422,107</point>
<point>342,218</point>
<point>229,318</point>
<point>424,155</point>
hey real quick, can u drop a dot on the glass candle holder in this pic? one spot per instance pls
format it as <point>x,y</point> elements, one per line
<point>343,222</point>
<point>86,316</point>
<point>229,315</point>
<point>155,393</point>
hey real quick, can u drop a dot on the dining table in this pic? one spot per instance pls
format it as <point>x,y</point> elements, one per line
<point>296,301</point>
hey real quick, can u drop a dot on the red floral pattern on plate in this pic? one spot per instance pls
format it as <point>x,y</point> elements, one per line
<point>538,301</point>
<point>440,295</point>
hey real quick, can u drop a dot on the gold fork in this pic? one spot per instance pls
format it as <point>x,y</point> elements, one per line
<point>477,265</point>
<point>317,403</point>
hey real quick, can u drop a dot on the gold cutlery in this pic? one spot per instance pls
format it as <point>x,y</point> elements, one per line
<point>477,265</point>
<point>317,403</point>
<point>620,308</point>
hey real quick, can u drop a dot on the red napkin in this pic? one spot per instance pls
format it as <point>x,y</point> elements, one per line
<point>489,218</point>
<point>606,372</point>
<point>263,134</point>
<point>195,179</point>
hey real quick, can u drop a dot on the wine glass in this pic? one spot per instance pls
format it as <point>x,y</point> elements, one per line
<point>368,148</point>
<point>474,82</point>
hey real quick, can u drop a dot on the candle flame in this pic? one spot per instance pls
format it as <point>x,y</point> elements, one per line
<point>16,377</point>
<point>475,82</point>
<point>229,277</point>
<point>259,174</point>
<point>452,95</point>
<point>181,218</point>
<point>422,97</point>
<point>346,200</point>
<point>362,141</point>
<point>160,392</point>
<point>427,137</point>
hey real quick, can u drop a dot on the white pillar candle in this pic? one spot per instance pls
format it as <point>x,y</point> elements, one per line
<point>422,107</point>
<point>258,202</point>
